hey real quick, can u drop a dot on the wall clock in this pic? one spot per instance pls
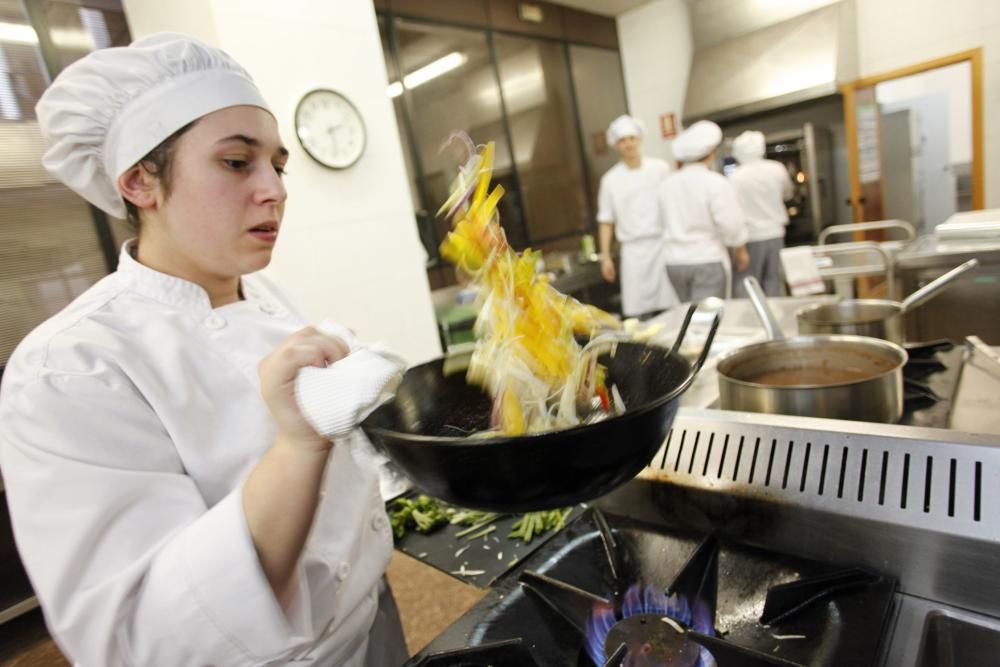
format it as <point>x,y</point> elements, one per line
<point>330,128</point>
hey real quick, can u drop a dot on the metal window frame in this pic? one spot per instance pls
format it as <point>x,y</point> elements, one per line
<point>52,65</point>
<point>34,10</point>
<point>389,17</point>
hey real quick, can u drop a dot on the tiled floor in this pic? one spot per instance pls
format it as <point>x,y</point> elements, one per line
<point>428,602</point>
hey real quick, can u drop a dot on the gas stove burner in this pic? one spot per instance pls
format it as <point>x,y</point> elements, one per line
<point>651,640</point>
<point>630,596</point>
<point>653,625</point>
<point>653,628</point>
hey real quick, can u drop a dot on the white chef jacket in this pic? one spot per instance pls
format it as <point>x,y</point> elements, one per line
<point>128,424</point>
<point>627,199</point>
<point>763,187</point>
<point>702,217</point>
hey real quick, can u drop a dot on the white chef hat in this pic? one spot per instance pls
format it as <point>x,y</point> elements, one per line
<point>749,146</point>
<point>697,141</point>
<point>624,126</point>
<point>107,110</point>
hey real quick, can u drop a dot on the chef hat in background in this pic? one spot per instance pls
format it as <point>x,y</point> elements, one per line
<point>624,126</point>
<point>697,141</point>
<point>749,146</point>
<point>107,110</point>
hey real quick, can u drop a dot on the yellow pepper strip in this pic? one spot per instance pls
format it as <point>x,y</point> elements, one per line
<point>525,329</point>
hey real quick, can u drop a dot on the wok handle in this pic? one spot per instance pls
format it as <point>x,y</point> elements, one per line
<point>700,361</point>
<point>936,286</point>
<point>759,302</point>
<point>684,327</point>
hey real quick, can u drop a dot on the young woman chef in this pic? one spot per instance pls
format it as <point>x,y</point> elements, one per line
<point>170,501</point>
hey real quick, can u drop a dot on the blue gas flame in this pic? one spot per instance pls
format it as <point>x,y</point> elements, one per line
<point>648,600</point>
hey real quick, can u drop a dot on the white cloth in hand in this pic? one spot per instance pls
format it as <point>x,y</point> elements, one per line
<point>336,399</point>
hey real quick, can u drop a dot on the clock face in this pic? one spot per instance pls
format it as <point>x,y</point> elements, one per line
<point>330,129</point>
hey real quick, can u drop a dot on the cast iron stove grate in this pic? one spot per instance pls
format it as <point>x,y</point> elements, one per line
<point>930,379</point>
<point>595,597</point>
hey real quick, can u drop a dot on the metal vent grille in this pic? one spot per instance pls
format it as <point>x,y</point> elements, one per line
<point>942,480</point>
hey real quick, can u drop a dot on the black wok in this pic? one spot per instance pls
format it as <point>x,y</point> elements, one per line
<point>425,428</point>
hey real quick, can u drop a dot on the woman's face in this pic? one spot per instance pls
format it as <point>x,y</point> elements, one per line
<point>226,200</point>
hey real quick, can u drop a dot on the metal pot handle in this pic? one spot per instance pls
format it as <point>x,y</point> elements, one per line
<point>936,286</point>
<point>759,302</point>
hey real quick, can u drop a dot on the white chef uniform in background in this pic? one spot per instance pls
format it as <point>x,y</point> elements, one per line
<point>763,187</point>
<point>130,421</point>
<point>627,200</point>
<point>702,217</point>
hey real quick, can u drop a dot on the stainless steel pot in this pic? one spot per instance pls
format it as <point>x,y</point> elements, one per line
<point>833,376</point>
<point>877,318</point>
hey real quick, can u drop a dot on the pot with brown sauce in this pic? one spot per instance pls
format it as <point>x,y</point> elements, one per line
<point>833,376</point>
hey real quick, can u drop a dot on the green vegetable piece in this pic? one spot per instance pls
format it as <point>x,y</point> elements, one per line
<point>484,531</point>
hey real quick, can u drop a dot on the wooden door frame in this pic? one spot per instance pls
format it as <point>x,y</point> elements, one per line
<point>975,58</point>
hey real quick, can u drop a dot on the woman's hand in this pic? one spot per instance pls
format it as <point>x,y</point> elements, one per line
<point>277,371</point>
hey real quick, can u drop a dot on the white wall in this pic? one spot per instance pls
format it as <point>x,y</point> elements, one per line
<point>349,247</point>
<point>953,82</point>
<point>656,46</point>
<point>898,33</point>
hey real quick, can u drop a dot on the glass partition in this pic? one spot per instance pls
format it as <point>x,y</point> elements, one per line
<point>545,103</point>
<point>51,243</point>
<point>600,98</point>
<point>448,83</point>
<point>535,79</point>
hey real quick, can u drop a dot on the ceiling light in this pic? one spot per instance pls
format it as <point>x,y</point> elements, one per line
<point>17,33</point>
<point>67,38</point>
<point>427,72</point>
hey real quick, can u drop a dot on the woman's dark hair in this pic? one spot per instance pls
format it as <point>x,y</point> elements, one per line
<point>157,162</point>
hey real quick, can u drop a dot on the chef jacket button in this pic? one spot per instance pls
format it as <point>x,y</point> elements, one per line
<point>378,521</point>
<point>214,322</point>
<point>343,570</point>
<point>269,308</point>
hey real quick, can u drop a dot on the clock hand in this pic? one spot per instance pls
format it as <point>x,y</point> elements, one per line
<point>332,131</point>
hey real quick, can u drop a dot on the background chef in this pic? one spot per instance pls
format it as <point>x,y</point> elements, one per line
<point>763,187</point>
<point>703,220</point>
<point>627,210</point>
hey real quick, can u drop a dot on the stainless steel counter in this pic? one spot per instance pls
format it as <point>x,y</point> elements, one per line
<point>918,504</point>
<point>975,407</point>
<point>969,307</point>
<point>933,252</point>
